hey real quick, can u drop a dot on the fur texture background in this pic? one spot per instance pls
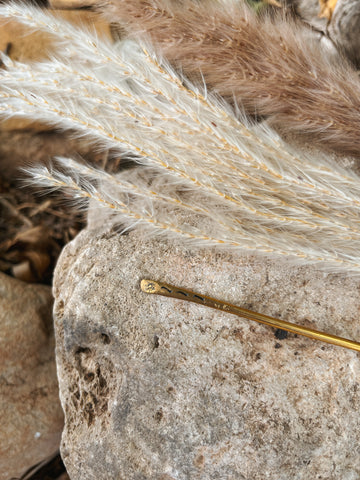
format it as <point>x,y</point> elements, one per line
<point>267,66</point>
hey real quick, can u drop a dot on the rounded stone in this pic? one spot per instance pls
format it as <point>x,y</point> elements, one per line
<point>157,388</point>
<point>30,411</point>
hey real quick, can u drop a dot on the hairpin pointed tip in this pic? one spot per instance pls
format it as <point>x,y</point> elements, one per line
<point>149,286</point>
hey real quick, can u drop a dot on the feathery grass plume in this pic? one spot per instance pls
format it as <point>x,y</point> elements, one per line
<point>207,177</point>
<point>151,204</point>
<point>267,65</point>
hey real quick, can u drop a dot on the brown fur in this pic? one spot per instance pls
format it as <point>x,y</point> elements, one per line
<point>267,66</point>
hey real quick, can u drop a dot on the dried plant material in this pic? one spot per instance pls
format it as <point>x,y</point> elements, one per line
<point>32,233</point>
<point>32,46</point>
<point>274,3</point>
<point>25,46</point>
<point>29,46</point>
<point>30,253</point>
<point>86,19</point>
<point>251,190</point>
<point>24,148</point>
<point>259,6</point>
<point>265,65</point>
<point>72,4</point>
<point>22,271</point>
<point>327,8</point>
<point>18,125</point>
<point>207,177</point>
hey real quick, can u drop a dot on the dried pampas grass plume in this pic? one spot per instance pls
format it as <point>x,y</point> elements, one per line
<point>267,65</point>
<point>204,177</point>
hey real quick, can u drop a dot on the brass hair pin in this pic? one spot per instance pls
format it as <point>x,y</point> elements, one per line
<point>151,286</point>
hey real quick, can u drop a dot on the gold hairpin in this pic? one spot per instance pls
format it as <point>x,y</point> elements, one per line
<point>150,286</point>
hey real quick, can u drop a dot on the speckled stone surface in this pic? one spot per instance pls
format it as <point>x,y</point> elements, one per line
<point>156,388</point>
<point>341,30</point>
<point>344,29</point>
<point>30,411</point>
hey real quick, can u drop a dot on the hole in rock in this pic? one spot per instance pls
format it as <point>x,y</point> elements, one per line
<point>105,339</point>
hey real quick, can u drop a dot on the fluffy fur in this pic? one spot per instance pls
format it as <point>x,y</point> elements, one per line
<point>268,66</point>
<point>206,177</point>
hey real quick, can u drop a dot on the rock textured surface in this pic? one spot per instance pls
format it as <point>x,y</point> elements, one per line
<point>344,29</point>
<point>30,411</point>
<point>156,388</point>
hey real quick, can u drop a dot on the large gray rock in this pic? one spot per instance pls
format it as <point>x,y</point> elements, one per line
<point>156,388</point>
<point>309,12</point>
<point>30,411</point>
<point>341,31</point>
<point>344,29</point>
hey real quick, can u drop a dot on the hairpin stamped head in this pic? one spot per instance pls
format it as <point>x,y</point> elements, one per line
<point>149,286</point>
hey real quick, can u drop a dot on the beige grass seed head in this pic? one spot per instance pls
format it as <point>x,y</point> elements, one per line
<point>207,176</point>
